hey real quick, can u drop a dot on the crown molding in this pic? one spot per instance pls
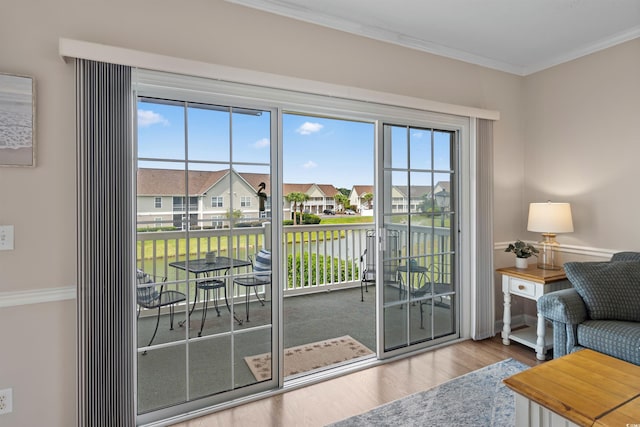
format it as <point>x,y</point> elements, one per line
<point>602,44</point>
<point>293,11</point>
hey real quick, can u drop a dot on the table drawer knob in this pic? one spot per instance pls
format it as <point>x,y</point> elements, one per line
<point>522,287</point>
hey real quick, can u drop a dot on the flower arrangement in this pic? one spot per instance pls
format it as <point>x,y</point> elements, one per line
<point>522,249</point>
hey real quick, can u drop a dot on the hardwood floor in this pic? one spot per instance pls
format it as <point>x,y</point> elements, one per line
<point>339,398</point>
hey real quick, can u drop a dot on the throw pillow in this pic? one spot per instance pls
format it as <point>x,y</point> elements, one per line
<point>626,256</point>
<point>610,290</point>
<point>263,264</point>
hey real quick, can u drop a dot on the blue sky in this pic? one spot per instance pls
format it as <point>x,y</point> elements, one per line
<point>315,149</point>
<point>327,151</point>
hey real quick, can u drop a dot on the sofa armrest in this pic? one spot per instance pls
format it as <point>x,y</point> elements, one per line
<point>564,306</point>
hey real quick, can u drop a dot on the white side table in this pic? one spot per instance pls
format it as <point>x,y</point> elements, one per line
<point>530,283</point>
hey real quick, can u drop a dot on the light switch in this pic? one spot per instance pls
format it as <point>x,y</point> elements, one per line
<point>6,237</point>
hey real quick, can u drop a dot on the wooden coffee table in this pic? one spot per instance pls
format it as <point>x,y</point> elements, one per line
<point>585,388</point>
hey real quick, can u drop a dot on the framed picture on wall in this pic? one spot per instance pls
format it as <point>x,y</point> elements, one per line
<point>17,120</point>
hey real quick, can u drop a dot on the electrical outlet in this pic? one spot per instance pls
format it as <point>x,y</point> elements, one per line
<point>6,401</point>
<point>6,237</point>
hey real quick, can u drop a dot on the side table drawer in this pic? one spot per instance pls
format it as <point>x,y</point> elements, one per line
<point>522,287</point>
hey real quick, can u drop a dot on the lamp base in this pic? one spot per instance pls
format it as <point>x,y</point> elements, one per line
<point>549,256</point>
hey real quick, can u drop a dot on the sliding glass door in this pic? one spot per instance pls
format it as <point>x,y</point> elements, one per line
<point>272,224</point>
<point>417,240</point>
<point>204,239</point>
<point>328,173</point>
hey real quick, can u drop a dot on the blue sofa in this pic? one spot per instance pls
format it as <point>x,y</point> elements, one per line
<point>601,311</point>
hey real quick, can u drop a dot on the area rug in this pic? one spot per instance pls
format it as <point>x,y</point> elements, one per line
<point>478,398</point>
<point>307,357</point>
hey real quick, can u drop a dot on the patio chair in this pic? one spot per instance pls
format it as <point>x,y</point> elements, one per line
<point>368,260</point>
<point>148,296</point>
<point>428,281</point>
<point>368,263</point>
<point>261,277</point>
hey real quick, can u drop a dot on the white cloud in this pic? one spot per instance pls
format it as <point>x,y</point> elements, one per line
<point>148,118</point>
<point>308,128</point>
<point>310,165</point>
<point>261,143</point>
<point>418,134</point>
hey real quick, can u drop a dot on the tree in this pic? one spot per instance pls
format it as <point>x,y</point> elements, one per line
<point>237,214</point>
<point>367,198</point>
<point>344,191</point>
<point>305,197</point>
<point>341,200</point>
<point>297,199</point>
<point>428,205</point>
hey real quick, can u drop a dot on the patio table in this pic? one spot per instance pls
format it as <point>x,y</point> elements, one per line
<point>205,267</point>
<point>419,274</point>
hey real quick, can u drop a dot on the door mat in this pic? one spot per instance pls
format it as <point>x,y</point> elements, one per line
<point>308,357</point>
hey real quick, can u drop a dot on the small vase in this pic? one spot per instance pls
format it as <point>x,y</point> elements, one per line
<point>522,263</point>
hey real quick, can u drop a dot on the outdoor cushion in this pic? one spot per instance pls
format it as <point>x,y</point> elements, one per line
<point>263,263</point>
<point>146,295</point>
<point>610,290</point>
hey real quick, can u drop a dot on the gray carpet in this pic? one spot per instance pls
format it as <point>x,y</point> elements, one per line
<point>478,398</point>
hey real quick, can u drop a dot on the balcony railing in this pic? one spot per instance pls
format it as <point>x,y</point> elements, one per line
<point>316,257</point>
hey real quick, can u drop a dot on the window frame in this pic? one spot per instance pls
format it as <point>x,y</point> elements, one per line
<point>197,89</point>
<point>219,202</point>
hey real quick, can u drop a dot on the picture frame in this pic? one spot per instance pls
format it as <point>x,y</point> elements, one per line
<point>17,120</point>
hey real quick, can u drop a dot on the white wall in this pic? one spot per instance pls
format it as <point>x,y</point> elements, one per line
<point>582,130</point>
<point>40,365</point>
<point>582,145</point>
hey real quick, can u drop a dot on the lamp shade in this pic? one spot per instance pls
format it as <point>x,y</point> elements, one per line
<point>550,218</point>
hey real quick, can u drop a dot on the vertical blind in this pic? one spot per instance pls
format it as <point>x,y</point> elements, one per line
<point>105,244</point>
<point>483,321</point>
<point>106,230</point>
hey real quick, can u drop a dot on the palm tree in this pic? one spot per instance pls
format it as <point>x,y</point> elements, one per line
<point>367,198</point>
<point>305,197</point>
<point>298,199</point>
<point>341,199</point>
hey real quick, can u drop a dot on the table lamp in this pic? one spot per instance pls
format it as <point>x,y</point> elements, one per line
<point>549,218</point>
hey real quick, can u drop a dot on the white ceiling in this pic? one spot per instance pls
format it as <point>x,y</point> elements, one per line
<point>516,36</point>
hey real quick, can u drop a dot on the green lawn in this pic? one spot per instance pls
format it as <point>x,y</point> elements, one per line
<point>423,220</point>
<point>171,250</point>
<point>347,220</point>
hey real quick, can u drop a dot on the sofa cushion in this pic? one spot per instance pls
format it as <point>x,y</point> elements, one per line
<point>610,290</point>
<point>615,338</point>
